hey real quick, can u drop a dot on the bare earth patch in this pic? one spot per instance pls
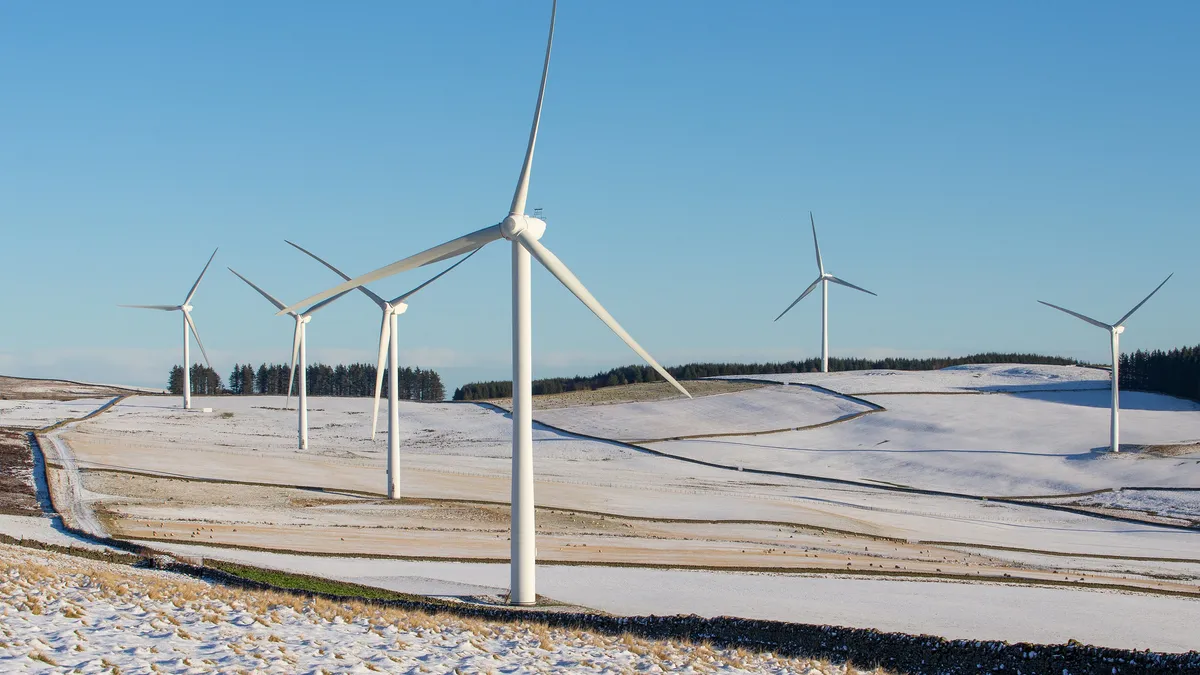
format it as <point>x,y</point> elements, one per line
<point>1164,450</point>
<point>17,491</point>
<point>631,393</point>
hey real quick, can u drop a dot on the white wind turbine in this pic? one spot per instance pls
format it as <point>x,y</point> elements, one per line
<point>388,347</point>
<point>1114,331</point>
<point>824,279</point>
<point>188,323</point>
<point>299,348</point>
<point>524,232</point>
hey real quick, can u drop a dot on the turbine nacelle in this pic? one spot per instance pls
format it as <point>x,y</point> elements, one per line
<point>1117,329</point>
<point>185,308</point>
<point>398,307</point>
<point>514,225</point>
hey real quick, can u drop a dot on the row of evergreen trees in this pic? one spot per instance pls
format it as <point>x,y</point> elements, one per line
<point>205,381</point>
<point>356,379</point>
<point>633,374</point>
<point>1176,372</point>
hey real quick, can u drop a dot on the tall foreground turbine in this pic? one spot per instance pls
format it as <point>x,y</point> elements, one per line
<point>524,233</point>
<point>299,348</point>
<point>1115,331</point>
<point>824,280</point>
<point>389,346</point>
<point>188,324</point>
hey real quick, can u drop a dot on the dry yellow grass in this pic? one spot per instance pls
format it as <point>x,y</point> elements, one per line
<point>128,585</point>
<point>630,393</point>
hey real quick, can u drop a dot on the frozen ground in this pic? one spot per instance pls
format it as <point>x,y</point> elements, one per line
<point>979,377</point>
<point>42,529</point>
<point>756,410</point>
<point>953,610</point>
<point>35,414</point>
<point>603,502</point>
<point>994,444</point>
<point>63,614</point>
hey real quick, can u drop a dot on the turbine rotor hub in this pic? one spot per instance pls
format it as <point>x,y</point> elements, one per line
<point>512,226</point>
<point>186,308</point>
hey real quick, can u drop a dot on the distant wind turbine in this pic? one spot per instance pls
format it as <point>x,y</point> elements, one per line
<point>524,232</point>
<point>1115,331</point>
<point>188,323</point>
<point>299,348</point>
<point>389,346</point>
<point>824,280</point>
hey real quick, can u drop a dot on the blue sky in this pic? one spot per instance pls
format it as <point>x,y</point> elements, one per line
<point>963,160</point>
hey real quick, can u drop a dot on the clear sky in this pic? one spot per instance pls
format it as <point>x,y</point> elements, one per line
<point>963,160</point>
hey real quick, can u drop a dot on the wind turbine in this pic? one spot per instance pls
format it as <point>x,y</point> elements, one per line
<point>1115,331</point>
<point>389,346</point>
<point>188,323</point>
<point>824,279</point>
<point>299,348</point>
<point>524,232</point>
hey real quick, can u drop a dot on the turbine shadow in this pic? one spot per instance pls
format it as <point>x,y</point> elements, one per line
<point>1100,398</point>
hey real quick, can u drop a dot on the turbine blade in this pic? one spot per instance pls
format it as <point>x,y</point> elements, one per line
<point>326,301</point>
<point>1077,315</point>
<point>292,368</point>
<point>450,249</point>
<point>413,292</point>
<point>192,324</point>
<point>193,291</point>
<point>165,308</point>
<point>802,296</point>
<point>820,265</point>
<point>1139,305</point>
<point>847,284</point>
<point>270,298</point>
<point>384,334</point>
<point>518,202</point>
<point>564,275</point>
<point>369,293</point>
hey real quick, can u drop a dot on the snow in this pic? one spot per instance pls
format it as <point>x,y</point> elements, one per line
<point>1184,504</point>
<point>45,530</point>
<point>1040,440</point>
<point>955,610</point>
<point>995,444</point>
<point>35,414</point>
<point>976,377</point>
<point>755,410</point>
<point>62,614</point>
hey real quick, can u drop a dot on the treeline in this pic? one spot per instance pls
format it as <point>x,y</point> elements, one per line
<point>633,374</point>
<point>1176,372</point>
<point>356,379</point>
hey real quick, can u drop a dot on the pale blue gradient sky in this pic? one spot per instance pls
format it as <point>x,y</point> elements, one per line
<point>963,160</point>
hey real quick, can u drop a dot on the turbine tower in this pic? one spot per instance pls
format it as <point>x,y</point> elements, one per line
<point>1114,331</point>
<point>188,324</point>
<point>523,232</point>
<point>824,279</point>
<point>389,346</point>
<point>299,348</point>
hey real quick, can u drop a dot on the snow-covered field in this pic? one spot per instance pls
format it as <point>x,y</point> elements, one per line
<point>35,414</point>
<point>953,610</point>
<point>63,614</point>
<point>756,410</point>
<point>955,379</point>
<point>994,444</point>
<point>604,502</point>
